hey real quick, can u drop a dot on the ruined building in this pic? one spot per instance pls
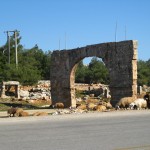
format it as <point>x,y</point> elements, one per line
<point>119,57</point>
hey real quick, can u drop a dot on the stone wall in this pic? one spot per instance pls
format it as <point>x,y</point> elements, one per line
<point>86,87</point>
<point>119,57</point>
<point>6,86</point>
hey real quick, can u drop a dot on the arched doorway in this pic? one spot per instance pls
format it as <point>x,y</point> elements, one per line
<point>92,70</point>
<point>119,57</point>
<point>92,80</point>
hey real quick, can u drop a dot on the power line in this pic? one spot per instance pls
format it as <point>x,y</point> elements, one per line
<point>59,44</point>
<point>65,40</point>
<point>125,32</point>
<point>116,32</point>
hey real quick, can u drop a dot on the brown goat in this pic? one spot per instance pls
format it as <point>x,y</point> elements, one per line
<point>107,104</point>
<point>125,102</point>
<point>11,112</point>
<point>23,114</point>
<point>91,106</point>
<point>40,114</point>
<point>100,108</point>
<point>18,111</point>
<point>59,105</point>
<point>82,107</point>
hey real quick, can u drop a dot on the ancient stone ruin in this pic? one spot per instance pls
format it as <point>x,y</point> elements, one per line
<point>5,89</point>
<point>13,89</point>
<point>119,57</point>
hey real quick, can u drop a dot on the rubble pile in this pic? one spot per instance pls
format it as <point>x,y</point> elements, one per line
<point>146,88</point>
<point>40,92</point>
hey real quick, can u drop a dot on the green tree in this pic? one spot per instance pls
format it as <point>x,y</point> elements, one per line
<point>30,67</point>
<point>95,72</point>
<point>29,63</point>
<point>98,71</point>
<point>3,61</point>
<point>40,60</point>
<point>81,73</point>
<point>143,72</point>
<point>46,63</point>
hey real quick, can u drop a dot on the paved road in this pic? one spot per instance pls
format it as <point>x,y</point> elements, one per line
<point>94,131</point>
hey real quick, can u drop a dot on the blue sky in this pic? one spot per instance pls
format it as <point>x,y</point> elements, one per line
<point>84,22</point>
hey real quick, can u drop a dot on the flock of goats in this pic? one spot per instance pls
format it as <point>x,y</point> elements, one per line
<point>89,105</point>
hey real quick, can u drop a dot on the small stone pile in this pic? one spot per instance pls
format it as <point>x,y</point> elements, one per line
<point>40,92</point>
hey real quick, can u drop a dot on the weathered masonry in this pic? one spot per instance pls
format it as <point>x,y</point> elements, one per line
<point>6,86</point>
<point>119,57</point>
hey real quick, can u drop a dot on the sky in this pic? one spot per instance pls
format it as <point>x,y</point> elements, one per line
<point>54,24</point>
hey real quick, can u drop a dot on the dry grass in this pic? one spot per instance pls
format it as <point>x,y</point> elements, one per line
<point>25,104</point>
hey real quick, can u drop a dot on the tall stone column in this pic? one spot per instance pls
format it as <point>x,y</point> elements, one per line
<point>3,91</point>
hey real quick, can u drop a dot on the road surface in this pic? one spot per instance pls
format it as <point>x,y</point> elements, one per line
<point>124,130</point>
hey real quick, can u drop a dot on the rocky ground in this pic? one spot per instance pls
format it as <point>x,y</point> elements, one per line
<point>36,101</point>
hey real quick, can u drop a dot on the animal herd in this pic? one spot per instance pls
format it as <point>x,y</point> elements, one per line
<point>19,112</point>
<point>124,103</point>
<point>134,103</point>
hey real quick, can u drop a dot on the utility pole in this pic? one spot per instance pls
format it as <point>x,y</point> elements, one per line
<point>8,42</point>
<point>16,52</point>
<point>8,45</point>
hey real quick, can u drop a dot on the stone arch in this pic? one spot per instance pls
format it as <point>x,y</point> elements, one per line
<point>119,57</point>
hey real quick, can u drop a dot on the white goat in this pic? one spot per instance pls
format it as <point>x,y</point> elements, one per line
<point>138,104</point>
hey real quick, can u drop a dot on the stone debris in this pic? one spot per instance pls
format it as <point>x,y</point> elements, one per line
<point>24,94</point>
<point>146,88</point>
<point>40,92</point>
<point>69,111</point>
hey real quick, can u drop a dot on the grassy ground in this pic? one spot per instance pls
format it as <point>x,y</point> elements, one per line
<point>7,103</point>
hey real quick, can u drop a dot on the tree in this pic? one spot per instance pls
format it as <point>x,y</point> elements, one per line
<point>46,65</point>
<point>95,72</point>
<point>143,72</point>
<point>98,71</point>
<point>81,73</point>
<point>34,64</point>
<point>29,65</point>
<point>3,61</point>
